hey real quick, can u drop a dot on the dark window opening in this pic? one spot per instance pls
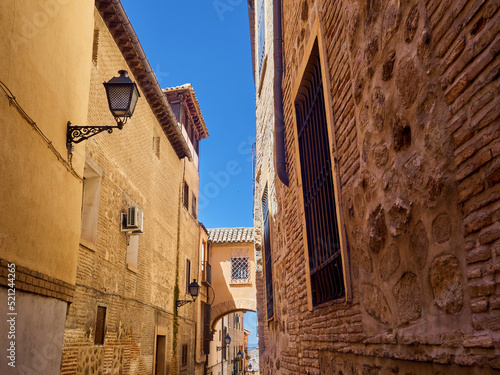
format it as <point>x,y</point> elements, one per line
<point>186,196</point>
<point>100,325</point>
<point>323,240</point>
<point>267,256</point>
<point>184,355</point>
<point>194,207</point>
<point>207,335</point>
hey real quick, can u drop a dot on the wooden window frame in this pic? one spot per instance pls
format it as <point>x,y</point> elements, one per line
<point>316,36</point>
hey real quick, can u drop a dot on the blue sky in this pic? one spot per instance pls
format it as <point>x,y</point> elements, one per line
<point>207,43</point>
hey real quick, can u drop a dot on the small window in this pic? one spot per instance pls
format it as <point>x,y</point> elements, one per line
<point>132,253</point>
<point>188,275</point>
<point>194,207</point>
<point>239,268</point>
<point>156,144</point>
<point>90,205</point>
<point>100,325</point>
<point>184,355</point>
<point>95,46</point>
<point>186,196</point>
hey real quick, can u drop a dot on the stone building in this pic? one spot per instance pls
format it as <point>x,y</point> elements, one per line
<point>233,280</point>
<point>44,83</point>
<point>125,316</point>
<point>376,187</point>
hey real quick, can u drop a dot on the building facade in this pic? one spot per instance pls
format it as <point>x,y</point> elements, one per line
<point>233,280</point>
<point>40,189</point>
<point>377,195</point>
<point>125,317</point>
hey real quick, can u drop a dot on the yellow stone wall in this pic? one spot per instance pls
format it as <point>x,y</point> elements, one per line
<point>41,62</point>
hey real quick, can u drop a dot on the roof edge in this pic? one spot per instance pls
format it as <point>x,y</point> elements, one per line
<point>126,39</point>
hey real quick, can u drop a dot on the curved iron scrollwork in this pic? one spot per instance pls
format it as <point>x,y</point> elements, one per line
<point>77,134</point>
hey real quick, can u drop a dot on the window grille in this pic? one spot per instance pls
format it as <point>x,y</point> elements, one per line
<point>239,268</point>
<point>261,46</point>
<point>186,196</point>
<point>100,324</point>
<point>267,256</point>
<point>323,242</point>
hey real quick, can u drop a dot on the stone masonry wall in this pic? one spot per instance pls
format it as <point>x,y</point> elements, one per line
<point>414,95</point>
<point>139,303</point>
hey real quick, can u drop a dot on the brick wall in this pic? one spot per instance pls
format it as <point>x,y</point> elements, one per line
<point>139,303</point>
<point>413,88</point>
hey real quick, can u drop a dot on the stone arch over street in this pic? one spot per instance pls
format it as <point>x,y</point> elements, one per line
<point>223,308</point>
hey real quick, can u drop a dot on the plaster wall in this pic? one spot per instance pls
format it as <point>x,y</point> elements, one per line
<point>41,63</point>
<point>230,294</point>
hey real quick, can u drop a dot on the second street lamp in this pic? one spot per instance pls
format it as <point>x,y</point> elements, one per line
<point>194,290</point>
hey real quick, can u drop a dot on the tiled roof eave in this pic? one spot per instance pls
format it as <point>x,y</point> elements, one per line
<point>231,235</point>
<point>193,105</point>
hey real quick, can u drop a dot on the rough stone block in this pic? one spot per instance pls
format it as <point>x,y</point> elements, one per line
<point>480,254</point>
<point>484,341</point>
<point>419,245</point>
<point>490,234</point>
<point>446,282</point>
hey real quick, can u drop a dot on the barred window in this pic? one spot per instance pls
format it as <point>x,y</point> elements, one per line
<point>239,268</point>
<point>323,240</point>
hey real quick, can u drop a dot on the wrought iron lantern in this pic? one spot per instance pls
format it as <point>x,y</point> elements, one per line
<point>122,95</point>
<point>240,354</point>
<point>194,290</point>
<point>227,339</point>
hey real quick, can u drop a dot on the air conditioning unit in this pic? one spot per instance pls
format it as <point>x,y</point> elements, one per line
<point>132,222</point>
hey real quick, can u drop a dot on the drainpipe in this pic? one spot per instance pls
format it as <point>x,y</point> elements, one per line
<point>279,121</point>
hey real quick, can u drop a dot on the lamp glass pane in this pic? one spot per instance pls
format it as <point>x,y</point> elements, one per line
<point>133,100</point>
<point>119,96</point>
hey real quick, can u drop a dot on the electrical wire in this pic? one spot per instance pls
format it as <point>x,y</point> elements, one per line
<point>13,102</point>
